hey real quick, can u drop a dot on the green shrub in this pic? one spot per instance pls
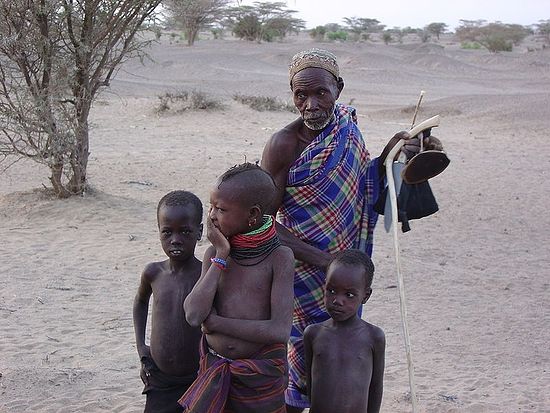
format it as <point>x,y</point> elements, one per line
<point>264,103</point>
<point>470,45</point>
<point>339,35</point>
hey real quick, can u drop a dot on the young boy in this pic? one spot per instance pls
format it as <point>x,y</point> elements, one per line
<point>169,365</point>
<point>243,300</point>
<point>345,355</point>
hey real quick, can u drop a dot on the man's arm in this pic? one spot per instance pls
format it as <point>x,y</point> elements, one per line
<point>410,148</point>
<point>140,310</point>
<point>377,380</point>
<point>277,159</point>
<point>276,329</point>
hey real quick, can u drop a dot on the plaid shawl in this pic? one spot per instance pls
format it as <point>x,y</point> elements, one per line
<point>243,385</point>
<point>328,202</point>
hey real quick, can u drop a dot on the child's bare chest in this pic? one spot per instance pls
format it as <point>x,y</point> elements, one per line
<point>245,292</point>
<point>356,352</point>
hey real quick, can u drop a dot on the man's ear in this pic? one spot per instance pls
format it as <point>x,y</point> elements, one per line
<point>340,85</point>
<point>368,293</point>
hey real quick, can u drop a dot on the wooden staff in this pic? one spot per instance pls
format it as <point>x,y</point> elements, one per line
<point>429,123</point>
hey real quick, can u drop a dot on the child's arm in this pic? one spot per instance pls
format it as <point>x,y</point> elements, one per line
<point>378,361</point>
<point>276,329</point>
<point>308,355</point>
<point>198,304</point>
<point>141,307</point>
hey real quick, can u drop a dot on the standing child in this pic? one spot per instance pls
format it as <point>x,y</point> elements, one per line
<point>345,355</point>
<point>169,365</point>
<point>243,300</point>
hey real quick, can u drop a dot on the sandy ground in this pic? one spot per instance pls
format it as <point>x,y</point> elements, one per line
<point>476,272</point>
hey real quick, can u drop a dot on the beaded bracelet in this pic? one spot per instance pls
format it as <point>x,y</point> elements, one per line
<point>219,262</point>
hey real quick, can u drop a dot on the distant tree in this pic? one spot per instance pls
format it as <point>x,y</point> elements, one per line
<point>194,15</point>
<point>387,37</point>
<point>362,28</point>
<point>543,30</point>
<point>54,58</point>
<point>495,37</point>
<point>264,21</point>
<point>436,29</point>
<point>318,33</point>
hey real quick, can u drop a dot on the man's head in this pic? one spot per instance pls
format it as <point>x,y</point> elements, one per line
<point>316,85</point>
<point>319,58</point>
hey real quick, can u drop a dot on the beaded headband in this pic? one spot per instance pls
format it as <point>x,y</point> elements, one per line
<point>314,58</point>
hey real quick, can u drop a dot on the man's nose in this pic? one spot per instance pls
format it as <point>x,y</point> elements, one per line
<point>312,104</point>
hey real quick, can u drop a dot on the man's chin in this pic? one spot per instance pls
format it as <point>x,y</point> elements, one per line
<point>317,125</point>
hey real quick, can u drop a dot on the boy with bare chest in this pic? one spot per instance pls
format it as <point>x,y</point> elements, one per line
<point>243,300</point>
<point>169,365</point>
<point>345,354</point>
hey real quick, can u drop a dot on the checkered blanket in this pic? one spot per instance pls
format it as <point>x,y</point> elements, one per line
<point>328,202</point>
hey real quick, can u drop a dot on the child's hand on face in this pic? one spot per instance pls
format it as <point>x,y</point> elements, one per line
<point>217,239</point>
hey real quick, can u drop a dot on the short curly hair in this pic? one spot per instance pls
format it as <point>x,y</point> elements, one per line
<point>355,257</point>
<point>182,198</point>
<point>259,184</point>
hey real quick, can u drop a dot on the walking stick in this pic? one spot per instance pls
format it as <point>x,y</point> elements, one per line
<point>429,123</point>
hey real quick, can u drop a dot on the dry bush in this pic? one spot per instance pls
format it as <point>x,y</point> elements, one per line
<point>181,101</point>
<point>264,103</point>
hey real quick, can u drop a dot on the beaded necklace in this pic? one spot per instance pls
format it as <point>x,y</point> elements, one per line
<point>254,244</point>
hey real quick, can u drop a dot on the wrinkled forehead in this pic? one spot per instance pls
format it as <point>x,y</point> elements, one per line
<point>319,58</point>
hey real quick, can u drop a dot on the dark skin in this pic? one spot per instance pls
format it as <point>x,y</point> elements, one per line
<point>249,304</point>
<point>315,92</point>
<point>174,343</point>
<point>345,343</point>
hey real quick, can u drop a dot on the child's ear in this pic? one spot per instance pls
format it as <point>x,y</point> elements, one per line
<point>368,293</point>
<point>255,213</point>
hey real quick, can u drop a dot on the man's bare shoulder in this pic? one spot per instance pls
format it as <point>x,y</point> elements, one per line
<point>285,138</point>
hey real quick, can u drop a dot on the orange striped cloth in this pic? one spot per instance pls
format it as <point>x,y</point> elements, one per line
<point>243,385</point>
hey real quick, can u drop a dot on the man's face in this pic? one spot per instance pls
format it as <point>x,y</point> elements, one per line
<point>315,92</point>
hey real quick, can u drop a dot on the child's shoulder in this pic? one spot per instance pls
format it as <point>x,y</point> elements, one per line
<point>153,269</point>
<point>374,332</point>
<point>313,330</point>
<point>282,255</point>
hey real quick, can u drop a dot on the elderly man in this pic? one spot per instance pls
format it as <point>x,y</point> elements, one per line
<point>327,186</point>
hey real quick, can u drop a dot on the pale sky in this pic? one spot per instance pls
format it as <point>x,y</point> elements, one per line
<point>419,13</point>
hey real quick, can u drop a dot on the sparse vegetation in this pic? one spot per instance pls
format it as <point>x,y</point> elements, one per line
<point>339,35</point>
<point>194,15</point>
<point>496,37</point>
<point>470,45</point>
<point>264,103</point>
<point>54,59</point>
<point>181,101</point>
<point>361,28</point>
<point>436,29</point>
<point>263,21</point>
